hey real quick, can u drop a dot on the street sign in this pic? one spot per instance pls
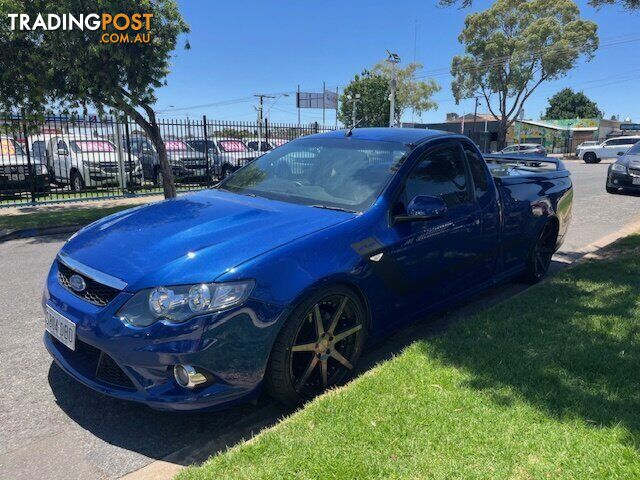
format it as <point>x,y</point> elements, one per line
<point>633,127</point>
<point>316,100</point>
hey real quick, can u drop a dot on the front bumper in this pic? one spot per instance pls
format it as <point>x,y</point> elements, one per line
<point>11,183</point>
<point>622,181</point>
<point>136,364</point>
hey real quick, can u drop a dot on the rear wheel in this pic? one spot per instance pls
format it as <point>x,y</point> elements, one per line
<point>77,183</point>
<point>541,254</point>
<point>318,347</point>
<point>590,157</point>
<point>158,179</point>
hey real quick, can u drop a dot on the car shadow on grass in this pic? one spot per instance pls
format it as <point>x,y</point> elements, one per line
<point>573,355</point>
<point>188,438</point>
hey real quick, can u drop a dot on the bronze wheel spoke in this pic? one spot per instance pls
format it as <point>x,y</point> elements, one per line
<point>318,318</point>
<point>337,315</point>
<point>305,377</point>
<point>346,333</point>
<point>338,356</point>
<point>306,347</point>
<point>325,379</point>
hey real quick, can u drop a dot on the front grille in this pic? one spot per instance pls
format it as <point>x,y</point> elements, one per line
<point>196,166</point>
<point>95,292</point>
<point>93,362</point>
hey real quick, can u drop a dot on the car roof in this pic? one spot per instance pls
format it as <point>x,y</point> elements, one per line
<point>625,137</point>
<point>400,135</point>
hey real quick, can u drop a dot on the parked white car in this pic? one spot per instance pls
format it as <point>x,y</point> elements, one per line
<point>588,143</point>
<point>611,148</point>
<point>83,161</point>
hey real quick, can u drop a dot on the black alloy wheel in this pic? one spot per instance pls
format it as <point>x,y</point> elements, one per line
<point>590,157</point>
<point>318,347</point>
<point>541,254</point>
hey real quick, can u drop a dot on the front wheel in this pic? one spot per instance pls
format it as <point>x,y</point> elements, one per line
<point>541,254</point>
<point>590,157</point>
<point>318,346</point>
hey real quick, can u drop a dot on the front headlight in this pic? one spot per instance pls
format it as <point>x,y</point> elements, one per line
<point>180,303</point>
<point>616,167</point>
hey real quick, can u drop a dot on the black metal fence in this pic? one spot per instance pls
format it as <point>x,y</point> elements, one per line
<point>74,158</point>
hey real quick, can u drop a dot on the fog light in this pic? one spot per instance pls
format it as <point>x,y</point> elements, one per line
<point>187,377</point>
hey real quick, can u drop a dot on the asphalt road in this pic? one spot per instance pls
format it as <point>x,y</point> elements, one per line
<point>52,427</point>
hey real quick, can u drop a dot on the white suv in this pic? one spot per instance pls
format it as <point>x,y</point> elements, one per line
<point>611,148</point>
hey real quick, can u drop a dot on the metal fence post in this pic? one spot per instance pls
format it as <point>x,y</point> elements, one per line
<point>206,149</point>
<point>128,146</point>
<point>30,168</point>
<point>118,142</point>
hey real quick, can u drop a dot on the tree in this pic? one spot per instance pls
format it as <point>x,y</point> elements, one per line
<point>627,4</point>
<point>569,104</point>
<point>372,108</point>
<point>75,69</point>
<point>410,93</point>
<point>515,46</point>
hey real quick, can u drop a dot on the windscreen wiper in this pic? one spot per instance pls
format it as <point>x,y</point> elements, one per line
<point>338,209</point>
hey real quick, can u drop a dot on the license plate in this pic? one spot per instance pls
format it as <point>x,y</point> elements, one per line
<point>60,327</point>
<point>635,181</point>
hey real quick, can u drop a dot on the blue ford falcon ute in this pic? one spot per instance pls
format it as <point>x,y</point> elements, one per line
<point>278,277</point>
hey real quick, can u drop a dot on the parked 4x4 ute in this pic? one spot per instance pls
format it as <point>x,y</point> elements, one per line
<point>278,276</point>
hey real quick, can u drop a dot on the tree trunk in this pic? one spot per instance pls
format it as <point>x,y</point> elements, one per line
<point>502,134</point>
<point>168,183</point>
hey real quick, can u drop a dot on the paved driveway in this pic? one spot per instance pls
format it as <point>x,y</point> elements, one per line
<point>52,427</point>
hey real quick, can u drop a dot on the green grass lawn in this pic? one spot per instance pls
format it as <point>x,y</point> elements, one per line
<point>64,217</point>
<point>545,385</point>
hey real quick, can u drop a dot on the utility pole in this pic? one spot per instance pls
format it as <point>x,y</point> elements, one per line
<point>475,116</point>
<point>353,99</point>
<point>261,98</point>
<point>393,59</point>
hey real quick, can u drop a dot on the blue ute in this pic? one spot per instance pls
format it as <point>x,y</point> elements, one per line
<point>277,278</point>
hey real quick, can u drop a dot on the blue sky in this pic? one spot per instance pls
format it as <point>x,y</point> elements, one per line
<point>241,48</point>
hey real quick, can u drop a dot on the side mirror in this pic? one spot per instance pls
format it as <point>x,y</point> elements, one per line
<point>423,207</point>
<point>63,152</point>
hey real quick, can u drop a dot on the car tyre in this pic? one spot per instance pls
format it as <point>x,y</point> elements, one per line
<point>77,182</point>
<point>540,256</point>
<point>590,157</point>
<point>157,177</point>
<point>318,346</point>
<point>226,171</point>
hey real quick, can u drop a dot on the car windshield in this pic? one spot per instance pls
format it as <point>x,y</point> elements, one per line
<point>177,146</point>
<point>342,173</point>
<point>232,146</point>
<point>8,147</point>
<point>635,150</point>
<point>84,146</point>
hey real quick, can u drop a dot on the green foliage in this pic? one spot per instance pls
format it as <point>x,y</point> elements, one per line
<point>514,46</point>
<point>569,104</point>
<point>73,69</point>
<point>372,108</point>
<point>627,4</point>
<point>373,86</point>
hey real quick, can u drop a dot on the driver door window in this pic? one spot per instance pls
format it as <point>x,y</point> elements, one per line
<point>441,173</point>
